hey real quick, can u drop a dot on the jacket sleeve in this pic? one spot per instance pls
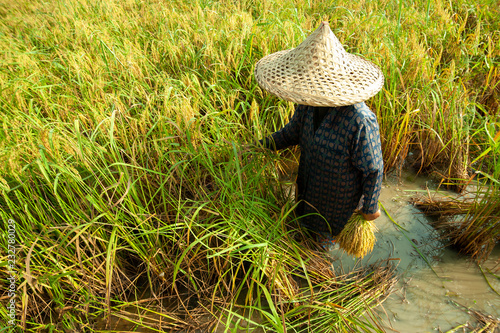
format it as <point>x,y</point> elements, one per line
<point>289,135</point>
<point>367,157</point>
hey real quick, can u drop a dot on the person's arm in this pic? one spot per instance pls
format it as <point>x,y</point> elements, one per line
<point>367,157</point>
<point>287,136</point>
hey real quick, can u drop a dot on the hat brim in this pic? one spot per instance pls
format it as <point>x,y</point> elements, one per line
<point>320,83</point>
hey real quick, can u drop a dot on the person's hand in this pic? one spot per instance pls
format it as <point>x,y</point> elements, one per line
<point>371,217</point>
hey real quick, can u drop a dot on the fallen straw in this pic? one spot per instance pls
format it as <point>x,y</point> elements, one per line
<point>358,237</point>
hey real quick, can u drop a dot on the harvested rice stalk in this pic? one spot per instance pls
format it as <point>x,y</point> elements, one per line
<point>286,286</point>
<point>358,237</point>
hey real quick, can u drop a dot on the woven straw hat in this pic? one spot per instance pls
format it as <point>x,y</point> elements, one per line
<point>319,72</point>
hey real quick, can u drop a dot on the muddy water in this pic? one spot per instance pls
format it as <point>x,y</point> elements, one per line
<point>425,300</point>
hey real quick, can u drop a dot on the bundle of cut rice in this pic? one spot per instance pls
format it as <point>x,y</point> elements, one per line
<point>358,237</point>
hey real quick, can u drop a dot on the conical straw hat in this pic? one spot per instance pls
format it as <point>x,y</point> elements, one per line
<point>319,72</point>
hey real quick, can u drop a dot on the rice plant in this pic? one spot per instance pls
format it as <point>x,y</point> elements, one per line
<point>209,228</point>
<point>358,236</point>
<point>471,222</point>
<point>122,127</point>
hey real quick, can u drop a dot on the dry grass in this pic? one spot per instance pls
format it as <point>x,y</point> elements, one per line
<point>471,225</point>
<point>485,323</point>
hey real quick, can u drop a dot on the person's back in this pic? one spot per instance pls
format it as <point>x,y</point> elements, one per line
<point>341,157</point>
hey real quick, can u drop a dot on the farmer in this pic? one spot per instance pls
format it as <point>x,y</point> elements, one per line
<point>341,165</point>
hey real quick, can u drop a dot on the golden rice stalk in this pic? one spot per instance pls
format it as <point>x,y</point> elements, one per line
<point>286,286</point>
<point>358,237</point>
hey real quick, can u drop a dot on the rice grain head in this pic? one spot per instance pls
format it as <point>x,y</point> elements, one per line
<point>358,236</point>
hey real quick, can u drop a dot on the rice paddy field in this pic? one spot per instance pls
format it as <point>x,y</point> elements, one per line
<point>131,189</point>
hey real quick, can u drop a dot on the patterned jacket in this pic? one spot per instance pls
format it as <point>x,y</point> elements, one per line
<point>340,165</point>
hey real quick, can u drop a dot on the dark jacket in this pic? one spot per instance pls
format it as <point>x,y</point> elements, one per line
<point>339,163</point>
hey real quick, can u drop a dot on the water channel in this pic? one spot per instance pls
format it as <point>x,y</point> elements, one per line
<point>425,300</point>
